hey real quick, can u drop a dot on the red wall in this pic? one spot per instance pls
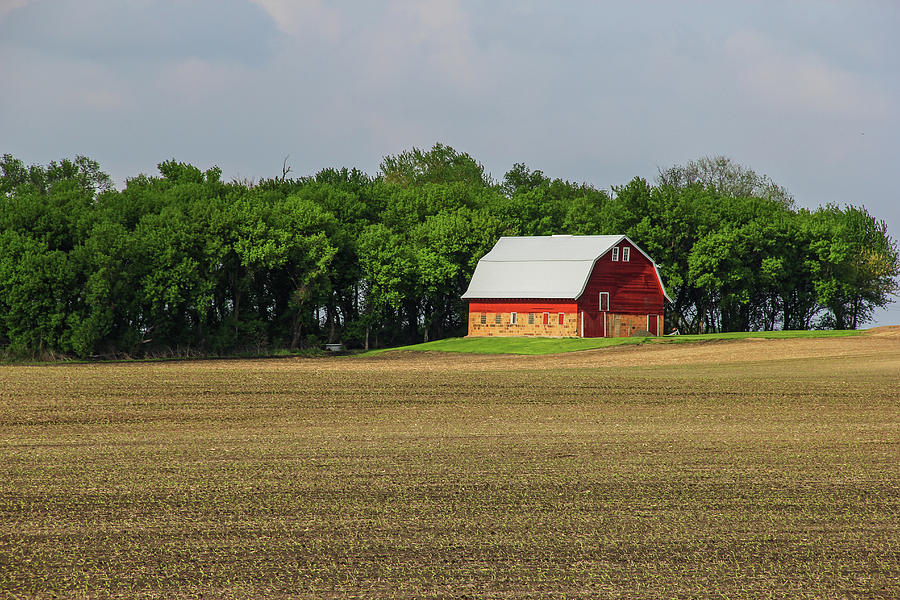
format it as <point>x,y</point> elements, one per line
<point>523,306</point>
<point>633,287</point>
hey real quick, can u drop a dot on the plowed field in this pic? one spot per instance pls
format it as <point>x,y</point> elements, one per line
<point>741,469</point>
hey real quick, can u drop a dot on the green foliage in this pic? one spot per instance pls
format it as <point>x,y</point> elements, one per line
<point>726,177</point>
<point>855,262</point>
<point>441,164</point>
<point>520,179</point>
<point>184,263</point>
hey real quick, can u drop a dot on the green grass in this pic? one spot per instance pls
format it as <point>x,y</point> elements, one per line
<point>541,345</point>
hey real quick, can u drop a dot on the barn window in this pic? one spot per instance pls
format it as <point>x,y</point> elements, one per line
<point>497,318</point>
<point>513,318</point>
<point>531,318</point>
<point>483,318</point>
<point>626,254</point>
<point>615,253</point>
<point>562,318</point>
<point>546,318</point>
<point>604,301</point>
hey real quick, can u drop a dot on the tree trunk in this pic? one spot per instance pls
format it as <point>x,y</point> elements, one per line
<point>329,311</point>
<point>412,313</point>
<point>295,334</point>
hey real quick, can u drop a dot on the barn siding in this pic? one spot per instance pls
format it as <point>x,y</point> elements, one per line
<point>523,306</point>
<point>633,286</point>
<point>490,309</point>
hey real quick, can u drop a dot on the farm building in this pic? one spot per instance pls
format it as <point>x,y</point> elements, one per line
<point>565,286</point>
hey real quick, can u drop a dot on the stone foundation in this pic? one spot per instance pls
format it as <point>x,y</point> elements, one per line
<point>522,327</point>
<point>624,325</point>
<point>498,324</point>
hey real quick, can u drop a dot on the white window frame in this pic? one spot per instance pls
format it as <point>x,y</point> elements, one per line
<point>626,254</point>
<point>601,301</point>
<point>615,254</point>
<point>561,318</point>
<point>512,318</point>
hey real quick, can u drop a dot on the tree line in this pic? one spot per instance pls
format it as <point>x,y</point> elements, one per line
<point>185,263</point>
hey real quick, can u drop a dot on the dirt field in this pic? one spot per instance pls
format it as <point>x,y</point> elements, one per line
<point>744,469</point>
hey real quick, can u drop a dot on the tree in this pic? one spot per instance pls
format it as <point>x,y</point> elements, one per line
<point>441,164</point>
<point>520,179</point>
<point>387,264</point>
<point>726,177</point>
<point>304,260</point>
<point>47,215</point>
<point>856,266</point>
<point>447,247</point>
<point>36,295</point>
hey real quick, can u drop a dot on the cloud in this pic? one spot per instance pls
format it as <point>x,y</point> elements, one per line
<point>140,31</point>
<point>436,16</point>
<point>201,83</point>
<point>429,46</point>
<point>10,5</point>
<point>384,45</point>
<point>800,83</point>
<point>45,85</point>
<point>303,16</point>
<point>442,27</point>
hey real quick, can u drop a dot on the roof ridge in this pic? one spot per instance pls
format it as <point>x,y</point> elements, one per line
<point>539,260</point>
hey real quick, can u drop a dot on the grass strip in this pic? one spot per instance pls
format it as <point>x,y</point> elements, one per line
<point>549,345</point>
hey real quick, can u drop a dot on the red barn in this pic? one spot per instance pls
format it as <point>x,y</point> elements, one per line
<point>565,286</point>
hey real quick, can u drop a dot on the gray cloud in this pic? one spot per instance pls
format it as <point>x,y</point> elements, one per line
<point>141,30</point>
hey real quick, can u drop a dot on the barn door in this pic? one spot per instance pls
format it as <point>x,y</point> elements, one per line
<point>653,324</point>
<point>594,324</point>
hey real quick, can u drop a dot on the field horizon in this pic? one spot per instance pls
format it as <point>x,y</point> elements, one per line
<point>747,468</point>
<point>553,345</point>
<point>525,345</point>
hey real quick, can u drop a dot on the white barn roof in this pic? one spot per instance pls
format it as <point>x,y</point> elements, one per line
<point>541,266</point>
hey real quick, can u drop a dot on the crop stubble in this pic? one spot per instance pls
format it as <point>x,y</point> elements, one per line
<point>742,469</point>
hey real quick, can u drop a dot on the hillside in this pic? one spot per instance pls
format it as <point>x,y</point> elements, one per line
<point>700,350</point>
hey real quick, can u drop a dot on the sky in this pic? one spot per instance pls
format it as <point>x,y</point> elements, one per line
<point>807,93</point>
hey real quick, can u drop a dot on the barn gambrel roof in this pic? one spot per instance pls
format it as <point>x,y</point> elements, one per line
<point>552,267</point>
